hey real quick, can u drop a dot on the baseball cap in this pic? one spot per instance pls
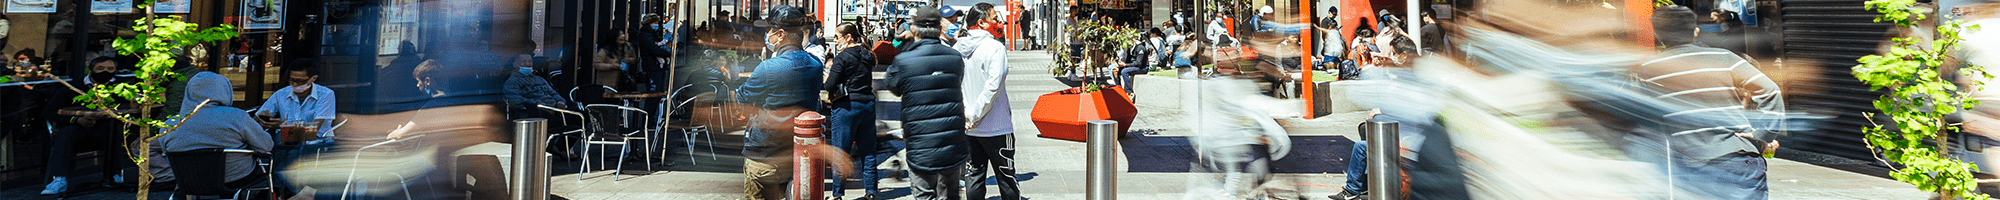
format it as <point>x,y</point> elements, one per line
<point>926,17</point>
<point>784,16</point>
<point>947,11</point>
<point>1265,10</point>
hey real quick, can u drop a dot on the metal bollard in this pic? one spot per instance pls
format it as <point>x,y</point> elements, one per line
<point>1101,183</point>
<point>1384,180</point>
<point>807,171</point>
<point>530,177</point>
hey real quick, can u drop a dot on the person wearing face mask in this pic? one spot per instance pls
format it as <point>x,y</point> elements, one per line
<point>989,118</point>
<point>927,76</point>
<point>72,129</point>
<point>851,91</point>
<point>525,91</point>
<point>302,100</point>
<point>781,88</point>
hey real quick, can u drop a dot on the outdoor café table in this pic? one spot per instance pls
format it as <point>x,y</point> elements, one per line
<point>637,95</point>
<point>80,111</point>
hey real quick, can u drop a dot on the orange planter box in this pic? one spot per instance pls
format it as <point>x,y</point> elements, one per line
<point>1063,114</point>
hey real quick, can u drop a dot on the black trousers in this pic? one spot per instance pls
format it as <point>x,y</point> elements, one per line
<point>996,153</point>
<point>106,135</point>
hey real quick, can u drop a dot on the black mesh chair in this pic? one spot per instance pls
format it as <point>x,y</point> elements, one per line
<point>198,178</point>
<point>609,125</point>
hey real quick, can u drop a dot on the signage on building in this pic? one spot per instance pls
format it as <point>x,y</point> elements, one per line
<point>262,14</point>
<point>31,6</point>
<point>172,6</point>
<point>111,7</point>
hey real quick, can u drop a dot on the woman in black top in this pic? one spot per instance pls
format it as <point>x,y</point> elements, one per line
<point>850,87</point>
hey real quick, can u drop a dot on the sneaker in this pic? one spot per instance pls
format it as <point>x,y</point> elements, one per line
<point>56,186</point>
<point>1345,195</point>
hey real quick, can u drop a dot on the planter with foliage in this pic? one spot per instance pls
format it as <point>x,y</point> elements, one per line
<point>1063,114</point>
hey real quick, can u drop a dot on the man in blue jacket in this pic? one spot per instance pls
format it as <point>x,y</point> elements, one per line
<point>782,87</point>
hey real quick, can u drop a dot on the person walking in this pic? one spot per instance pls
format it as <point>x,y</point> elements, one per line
<point>781,88</point>
<point>1717,80</point>
<point>991,119</point>
<point>927,75</point>
<point>850,87</point>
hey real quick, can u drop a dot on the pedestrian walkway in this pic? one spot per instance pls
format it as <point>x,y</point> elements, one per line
<point>1154,158</point>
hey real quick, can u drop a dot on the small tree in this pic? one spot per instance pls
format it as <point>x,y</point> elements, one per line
<point>155,44</point>
<point>1100,40</point>
<point>1919,99</point>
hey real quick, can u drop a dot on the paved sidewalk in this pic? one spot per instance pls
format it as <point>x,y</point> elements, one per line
<point>1153,161</point>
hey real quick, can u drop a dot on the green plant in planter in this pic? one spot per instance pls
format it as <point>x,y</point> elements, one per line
<point>1099,40</point>
<point>158,39</point>
<point>1920,97</point>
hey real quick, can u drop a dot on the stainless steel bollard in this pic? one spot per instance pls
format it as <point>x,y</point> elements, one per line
<point>1384,181</point>
<point>529,178</point>
<point>1101,183</point>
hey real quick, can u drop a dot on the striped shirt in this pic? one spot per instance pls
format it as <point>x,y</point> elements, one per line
<point>1713,80</point>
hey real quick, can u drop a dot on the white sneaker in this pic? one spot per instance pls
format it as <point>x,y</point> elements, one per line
<point>56,186</point>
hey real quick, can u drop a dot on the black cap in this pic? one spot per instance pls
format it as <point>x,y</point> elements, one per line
<point>927,16</point>
<point>784,16</point>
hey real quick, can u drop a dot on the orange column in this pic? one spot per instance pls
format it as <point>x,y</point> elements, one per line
<point>1640,14</point>
<point>1306,56</point>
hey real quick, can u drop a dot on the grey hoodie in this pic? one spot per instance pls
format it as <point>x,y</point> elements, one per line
<point>217,125</point>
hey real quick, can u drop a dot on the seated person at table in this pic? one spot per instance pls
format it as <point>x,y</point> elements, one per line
<point>303,101</point>
<point>525,90</point>
<point>70,129</point>
<point>217,125</point>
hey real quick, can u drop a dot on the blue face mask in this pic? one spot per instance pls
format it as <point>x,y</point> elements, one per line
<point>527,71</point>
<point>656,27</point>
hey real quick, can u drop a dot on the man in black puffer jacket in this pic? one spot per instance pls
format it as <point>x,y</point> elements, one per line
<point>927,74</point>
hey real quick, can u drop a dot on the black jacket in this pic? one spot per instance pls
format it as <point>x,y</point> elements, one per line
<point>851,78</point>
<point>927,75</point>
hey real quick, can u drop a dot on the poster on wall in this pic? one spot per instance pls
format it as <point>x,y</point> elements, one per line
<point>262,14</point>
<point>404,10</point>
<point>392,40</point>
<point>172,6</point>
<point>31,6</point>
<point>110,6</point>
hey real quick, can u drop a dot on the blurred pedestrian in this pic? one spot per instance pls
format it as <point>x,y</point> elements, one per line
<point>781,88</point>
<point>927,76</point>
<point>1730,162</point>
<point>1237,140</point>
<point>989,117</point>
<point>850,88</point>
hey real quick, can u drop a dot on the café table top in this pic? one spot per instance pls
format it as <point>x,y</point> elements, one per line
<point>636,95</point>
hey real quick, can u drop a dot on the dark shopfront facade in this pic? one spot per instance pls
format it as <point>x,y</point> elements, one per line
<point>352,39</point>
<point>65,33</point>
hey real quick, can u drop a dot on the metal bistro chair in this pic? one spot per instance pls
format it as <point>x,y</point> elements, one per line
<point>198,177</point>
<point>349,189</point>
<point>602,131</point>
<point>594,94</point>
<point>565,120</point>
<point>689,129</point>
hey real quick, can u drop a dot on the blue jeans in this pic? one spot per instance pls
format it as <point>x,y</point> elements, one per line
<point>1733,176</point>
<point>1125,76</point>
<point>852,128</point>
<point>1357,168</point>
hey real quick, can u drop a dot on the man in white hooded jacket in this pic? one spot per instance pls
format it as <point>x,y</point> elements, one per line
<point>989,120</point>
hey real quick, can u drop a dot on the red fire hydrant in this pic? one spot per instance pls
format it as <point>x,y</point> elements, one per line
<point>807,171</point>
